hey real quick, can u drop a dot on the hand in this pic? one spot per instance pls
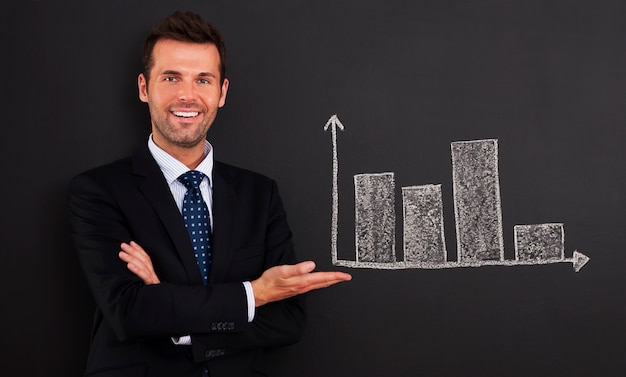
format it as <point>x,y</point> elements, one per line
<point>138,262</point>
<point>281,282</point>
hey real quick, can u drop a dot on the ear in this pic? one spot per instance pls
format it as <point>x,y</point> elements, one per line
<point>223,94</point>
<point>142,85</point>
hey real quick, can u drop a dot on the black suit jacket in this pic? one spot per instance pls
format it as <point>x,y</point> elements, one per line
<point>130,200</point>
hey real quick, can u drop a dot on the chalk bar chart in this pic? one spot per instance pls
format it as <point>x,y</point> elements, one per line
<point>477,214</point>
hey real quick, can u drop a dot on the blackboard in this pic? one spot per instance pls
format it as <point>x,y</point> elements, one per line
<point>546,79</point>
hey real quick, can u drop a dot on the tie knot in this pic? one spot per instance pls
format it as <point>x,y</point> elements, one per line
<point>191,179</point>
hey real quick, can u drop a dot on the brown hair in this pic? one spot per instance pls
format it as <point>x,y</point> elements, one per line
<point>184,27</point>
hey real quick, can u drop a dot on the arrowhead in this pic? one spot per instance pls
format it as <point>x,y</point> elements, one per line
<point>579,260</point>
<point>334,122</point>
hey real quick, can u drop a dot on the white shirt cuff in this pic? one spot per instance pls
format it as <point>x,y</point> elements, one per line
<point>182,341</point>
<point>251,303</point>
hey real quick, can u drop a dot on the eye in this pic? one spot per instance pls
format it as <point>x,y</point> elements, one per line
<point>169,78</point>
<point>203,81</point>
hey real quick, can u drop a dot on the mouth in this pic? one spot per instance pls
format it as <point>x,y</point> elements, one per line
<point>185,114</point>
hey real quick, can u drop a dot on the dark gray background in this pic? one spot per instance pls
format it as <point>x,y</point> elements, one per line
<point>545,78</point>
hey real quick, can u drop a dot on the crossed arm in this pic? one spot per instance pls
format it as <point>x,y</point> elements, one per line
<point>275,284</point>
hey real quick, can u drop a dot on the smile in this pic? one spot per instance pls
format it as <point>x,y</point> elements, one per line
<point>186,114</point>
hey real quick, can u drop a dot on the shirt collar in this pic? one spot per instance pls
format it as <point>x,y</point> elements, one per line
<point>172,168</point>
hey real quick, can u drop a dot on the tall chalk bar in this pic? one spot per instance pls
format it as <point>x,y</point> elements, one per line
<point>477,203</point>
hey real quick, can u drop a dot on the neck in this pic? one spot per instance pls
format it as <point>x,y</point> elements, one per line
<point>189,156</point>
<point>191,159</point>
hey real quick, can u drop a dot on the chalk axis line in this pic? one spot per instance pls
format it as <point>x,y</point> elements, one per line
<point>479,241</point>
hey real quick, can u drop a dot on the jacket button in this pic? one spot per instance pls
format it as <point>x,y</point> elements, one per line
<point>213,353</point>
<point>223,326</point>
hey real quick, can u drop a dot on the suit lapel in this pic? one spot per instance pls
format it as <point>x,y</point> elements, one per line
<point>152,184</point>
<point>224,210</point>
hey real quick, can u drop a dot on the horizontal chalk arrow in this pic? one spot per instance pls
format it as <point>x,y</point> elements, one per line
<point>578,261</point>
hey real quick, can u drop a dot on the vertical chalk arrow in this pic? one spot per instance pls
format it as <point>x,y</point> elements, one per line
<point>334,123</point>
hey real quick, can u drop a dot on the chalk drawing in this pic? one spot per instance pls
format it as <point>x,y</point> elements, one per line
<point>375,217</point>
<point>477,208</point>
<point>333,123</point>
<point>539,241</point>
<point>578,260</point>
<point>478,217</point>
<point>424,238</point>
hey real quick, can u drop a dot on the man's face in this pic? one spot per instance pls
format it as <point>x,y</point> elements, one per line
<point>184,92</point>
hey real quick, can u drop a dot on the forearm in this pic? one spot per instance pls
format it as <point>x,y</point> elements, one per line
<point>275,324</point>
<point>134,310</point>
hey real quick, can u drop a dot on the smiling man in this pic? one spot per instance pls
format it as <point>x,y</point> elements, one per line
<point>184,93</point>
<point>190,260</point>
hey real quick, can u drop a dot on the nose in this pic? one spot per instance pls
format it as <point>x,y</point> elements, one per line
<point>186,91</point>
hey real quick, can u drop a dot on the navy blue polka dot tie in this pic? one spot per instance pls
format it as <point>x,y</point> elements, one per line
<point>196,215</point>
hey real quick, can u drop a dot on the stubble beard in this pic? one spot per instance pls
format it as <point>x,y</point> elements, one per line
<point>181,138</point>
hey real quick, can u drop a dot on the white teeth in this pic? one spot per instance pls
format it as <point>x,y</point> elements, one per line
<point>186,114</point>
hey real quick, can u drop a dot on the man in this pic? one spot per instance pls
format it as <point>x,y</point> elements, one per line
<point>163,310</point>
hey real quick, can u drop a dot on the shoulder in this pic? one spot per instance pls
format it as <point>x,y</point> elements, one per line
<point>110,172</point>
<point>116,176</point>
<point>235,174</point>
<point>122,170</point>
<point>245,183</point>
